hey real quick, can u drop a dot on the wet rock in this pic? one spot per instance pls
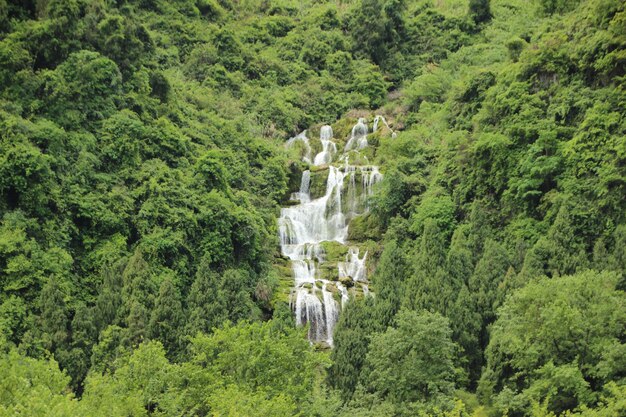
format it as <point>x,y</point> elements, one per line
<point>346,281</point>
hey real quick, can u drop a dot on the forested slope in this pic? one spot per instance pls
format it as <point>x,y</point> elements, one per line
<point>142,168</point>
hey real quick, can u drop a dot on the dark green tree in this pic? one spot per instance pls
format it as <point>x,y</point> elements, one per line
<point>167,318</point>
<point>428,286</point>
<point>413,362</point>
<point>205,301</point>
<point>109,300</point>
<point>556,342</point>
<point>486,282</point>
<point>480,11</point>
<point>388,282</point>
<point>137,324</point>
<point>351,341</point>
<point>376,26</point>
<point>54,317</point>
<point>84,336</point>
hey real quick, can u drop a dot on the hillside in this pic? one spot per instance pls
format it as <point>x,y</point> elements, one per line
<point>313,208</point>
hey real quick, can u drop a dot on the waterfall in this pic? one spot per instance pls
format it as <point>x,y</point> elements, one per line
<point>353,267</point>
<point>303,194</point>
<point>358,138</point>
<point>329,148</point>
<point>301,137</point>
<point>379,119</point>
<point>303,228</point>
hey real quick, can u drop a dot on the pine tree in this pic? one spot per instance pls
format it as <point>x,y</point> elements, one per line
<point>388,280</point>
<point>557,253</point>
<point>138,295</point>
<point>84,335</point>
<point>568,254</point>
<point>617,259</point>
<point>484,286</point>
<point>205,302</point>
<point>54,316</point>
<point>167,318</point>
<point>136,323</point>
<point>138,280</point>
<point>466,326</point>
<point>427,286</point>
<point>109,299</point>
<point>459,259</point>
<point>486,279</point>
<point>236,289</point>
<point>351,340</point>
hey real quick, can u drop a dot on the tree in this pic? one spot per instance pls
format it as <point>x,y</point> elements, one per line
<point>84,336</point>
<point>556,340</point>
<point>54,316</point>
<point>109,300</point>
<point>559,252</point>
<point>138,293</point>
<point>167,318</point>
<point>351,342</point>
<point>82,89</point>
<point>388,281</point>
<point>236,287</point>
<point>258,359</point>
<point>479,11</point>
<point>137,323</point>
<point>376,27</point>
<point>413,362</point>
<point>33,387</point>
<point>428,286</point>
<point>486,282</point>
<point>205,301</point>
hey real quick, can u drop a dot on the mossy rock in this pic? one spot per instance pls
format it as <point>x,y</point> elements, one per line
<point>330,287</point>
<point>319,284</point>
<point>297,151</point>
<point>294,177</point>
<point>313,132</point>
<point>319,178</point>
<point>364,227</point>
<point>361,157</point>
<point>322,346</point>
<point>315,143</point>
<point>342,129</point>
<point>334,252</point>
<point>282,292</point>
<point>346,282</point>
<point>373,139</point>
<point>328,271</point>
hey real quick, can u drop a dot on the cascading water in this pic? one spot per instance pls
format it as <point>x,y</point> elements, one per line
<point>301,137</point>
<point>358,138</point>
<point>304,227</point>
<point>329,148</point>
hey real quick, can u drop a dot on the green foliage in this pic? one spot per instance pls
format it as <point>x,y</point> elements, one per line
<point>413,361</point>
<point>141,169</point>
<point>351,346</point>
<point>479,11</point>
<point>556,340</point>
<point>83,89</point>
<point>166,319</point>
<point>33,387</point>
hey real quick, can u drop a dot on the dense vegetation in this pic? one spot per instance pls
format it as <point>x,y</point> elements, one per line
<point>142,168</point>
